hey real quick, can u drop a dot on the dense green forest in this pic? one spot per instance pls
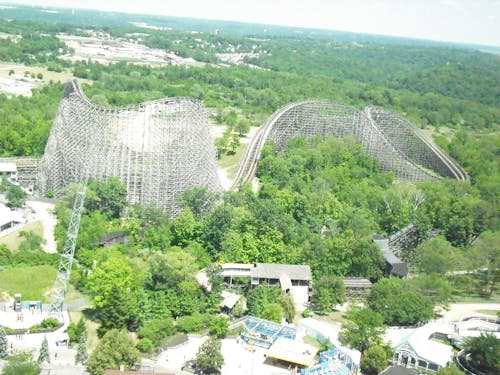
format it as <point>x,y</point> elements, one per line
<point>319,202</point>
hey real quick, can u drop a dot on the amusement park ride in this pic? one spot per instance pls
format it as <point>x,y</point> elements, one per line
<point>161,148</point>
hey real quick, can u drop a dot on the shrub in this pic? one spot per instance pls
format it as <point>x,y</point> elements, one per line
<point>156,330</point>
<point>47,325</point>
<point>307,313</point>
<point>218,327</point>
<point>76,331</point>
<point>145,345</point>
<point>191,323</point>
<point>50,323</point>
<point>374,360</point>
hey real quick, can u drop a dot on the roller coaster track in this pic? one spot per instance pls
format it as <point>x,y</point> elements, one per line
<point>247,166</point>
<point>455,170</point>
<point>389,130</point>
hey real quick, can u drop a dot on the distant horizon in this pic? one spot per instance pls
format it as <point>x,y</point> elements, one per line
<point>465,22</point>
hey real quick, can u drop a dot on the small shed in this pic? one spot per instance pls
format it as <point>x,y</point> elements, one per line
<point>393,265</point>
<point>229,299</point>
<point>113,238</point>
<point>357,287</point>
<point>9,218</point>
<point>61,339</point>
<point>10,169</point>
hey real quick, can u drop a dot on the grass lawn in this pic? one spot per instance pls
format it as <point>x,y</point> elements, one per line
<point>335,317</point>
<point>231,161</point>
<point>431,131</point>
<point>34,283</point>
<point>63,77</point>
<point>12,240</point>
<point>174,340</point>
<point>476,298</point>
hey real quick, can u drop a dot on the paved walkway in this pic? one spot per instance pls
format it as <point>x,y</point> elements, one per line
<point>459,311</point>
<point>174,359</point>
<point>62,359</point>
<point>43,213</point>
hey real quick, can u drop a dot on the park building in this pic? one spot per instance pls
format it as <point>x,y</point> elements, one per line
<point>421,348</point>
<point>416,351</point>
<point>393,265</point>
<point>357,287</point>
<point>9,218</point>
<point>20,171</point>
<point>291,278</point>
<point>8,169</point>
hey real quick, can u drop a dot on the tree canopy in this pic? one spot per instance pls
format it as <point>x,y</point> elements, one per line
<point>364,328</point>
<point>115,349</point>
<point>209,358</point>
<point>398,304</point>
<point>484,352</point>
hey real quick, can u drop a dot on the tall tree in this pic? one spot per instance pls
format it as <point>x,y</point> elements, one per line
<point>31,241</point>
<point>260,296</point>
<point>398,303</point>
<point>436,256</point>
<point>486,254</point>
<point>484,352</point>
<point>328,291</point>
<point>115,349</point>
<point>286,301</point>
<point>185,228</point>
<point>199,200</point>
<point>218,327</point>
<point>364,328</point>
<point>114,294</point>
<point>76,331</point>
<point>209,358</point>
<point>156,330</point>
<point>109,197</point>
<point>111,274</point>
<point>166,271</point>
<point>15,196</point>
<point>81,352</point>
<point>434,287</point>
<point>44,355</point>
<point>374,360</point>
<point>3,344</point>
<point>273,312</point>
<point>21,363</point>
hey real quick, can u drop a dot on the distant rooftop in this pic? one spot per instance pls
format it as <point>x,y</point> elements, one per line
<point>274,271</point>
<point>292,351</point>
<point>8,167</point>
<point>357,283</point>
<point>398,267</point>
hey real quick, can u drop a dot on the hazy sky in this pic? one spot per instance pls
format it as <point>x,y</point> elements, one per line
<point>466,21</point>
